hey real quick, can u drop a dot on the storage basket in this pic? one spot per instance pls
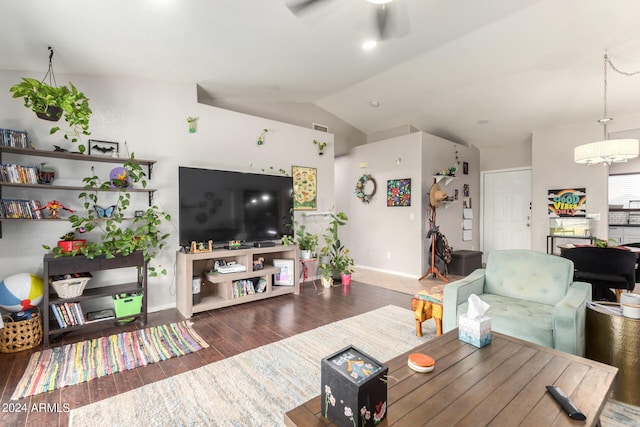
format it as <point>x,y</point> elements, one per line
<point>70,288</point>
<point>20,335</point>
<point>127,305</point>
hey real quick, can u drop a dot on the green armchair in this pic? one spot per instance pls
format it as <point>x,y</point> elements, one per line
<point>531,295</point>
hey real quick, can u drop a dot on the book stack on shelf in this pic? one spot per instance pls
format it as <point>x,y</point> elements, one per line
<point>19,174</point>
<point>15,138</point>
<point>71,314</point>
<point>68,314</point>
<point>245,287</point>
<point>16,208</point>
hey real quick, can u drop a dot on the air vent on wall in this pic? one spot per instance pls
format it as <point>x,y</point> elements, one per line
<point>321,128</point>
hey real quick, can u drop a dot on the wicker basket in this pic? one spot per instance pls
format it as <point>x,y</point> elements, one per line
<point>20,335</point>
<point>70,288</point>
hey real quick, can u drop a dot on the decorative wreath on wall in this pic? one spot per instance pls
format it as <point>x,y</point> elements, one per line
<point>360,188</point>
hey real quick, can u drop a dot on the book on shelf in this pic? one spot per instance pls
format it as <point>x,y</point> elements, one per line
<point>15,138</point>
<point>24,209</point>
<point>19,174</point>
<point>68,314</point>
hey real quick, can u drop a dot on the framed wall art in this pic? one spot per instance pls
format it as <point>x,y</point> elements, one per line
<point>305,185</point>
<point>103,148</point>
<point>287,272</point>
<point>399,192</point>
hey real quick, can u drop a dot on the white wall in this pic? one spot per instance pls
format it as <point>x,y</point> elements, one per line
<point>553,167</point>
<point>393,239</point>
<point>151,117</point>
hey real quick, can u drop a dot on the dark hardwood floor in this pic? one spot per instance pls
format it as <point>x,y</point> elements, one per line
<point>229,331</point>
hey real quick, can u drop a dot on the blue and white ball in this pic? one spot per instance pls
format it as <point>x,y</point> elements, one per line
<point>21,292</point>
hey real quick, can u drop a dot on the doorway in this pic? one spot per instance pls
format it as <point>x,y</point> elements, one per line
<point>506,210</point>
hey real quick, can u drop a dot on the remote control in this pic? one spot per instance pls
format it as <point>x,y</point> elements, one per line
<point>566,403</point>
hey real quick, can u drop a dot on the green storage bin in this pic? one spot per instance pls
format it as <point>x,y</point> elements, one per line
<point>127,305</point>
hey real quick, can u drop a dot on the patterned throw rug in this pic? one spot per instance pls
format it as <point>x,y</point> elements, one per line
<point>83,361</point>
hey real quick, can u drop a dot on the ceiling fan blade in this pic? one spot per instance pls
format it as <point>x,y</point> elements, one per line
<point>383,22</point>
<point>301,6</point>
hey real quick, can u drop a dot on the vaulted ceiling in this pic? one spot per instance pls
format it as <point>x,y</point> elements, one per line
<point>482,72</point>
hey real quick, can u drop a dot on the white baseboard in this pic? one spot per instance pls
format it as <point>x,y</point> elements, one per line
<point>160,307</point>
<point>395,273</point>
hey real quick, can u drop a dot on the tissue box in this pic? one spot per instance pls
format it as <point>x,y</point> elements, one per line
<point>474,331</point>
<point>354,388</point>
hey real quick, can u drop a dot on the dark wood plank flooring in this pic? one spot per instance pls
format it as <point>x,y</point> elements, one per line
<point>229,331</point>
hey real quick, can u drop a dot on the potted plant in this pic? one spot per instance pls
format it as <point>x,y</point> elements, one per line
<point>119,235</point>
<point>326,275</point>
<point>69,243</point>
<point>307,242</point>
<point>333,247</point>
<point>52,102</point>
<point>344,264</point>
<point>321,146</point>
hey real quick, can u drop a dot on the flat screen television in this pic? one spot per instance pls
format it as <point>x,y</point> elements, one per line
<point>222,205</point>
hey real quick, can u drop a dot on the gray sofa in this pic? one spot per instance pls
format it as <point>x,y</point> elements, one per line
<point>531,297</point>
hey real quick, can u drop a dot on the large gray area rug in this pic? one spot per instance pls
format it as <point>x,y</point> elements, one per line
<point>257,387</point>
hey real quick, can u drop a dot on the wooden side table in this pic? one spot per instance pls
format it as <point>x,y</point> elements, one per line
<point>615,340</point>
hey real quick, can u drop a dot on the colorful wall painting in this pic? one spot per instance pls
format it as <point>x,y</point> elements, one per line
<point>399,192</point>
<point>305,182</point>
<point>570,202</point>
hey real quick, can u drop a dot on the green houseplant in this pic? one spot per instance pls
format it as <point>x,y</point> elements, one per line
<point>307,242</point>
<point>118,235</point>
<point>333,248</point>
<point>52,102</point>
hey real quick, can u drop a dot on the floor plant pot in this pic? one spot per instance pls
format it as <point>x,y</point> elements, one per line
<point>346,279</point>
<point>326,283</point>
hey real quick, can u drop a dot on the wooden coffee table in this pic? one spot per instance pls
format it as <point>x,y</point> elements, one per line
<point>502,384</point>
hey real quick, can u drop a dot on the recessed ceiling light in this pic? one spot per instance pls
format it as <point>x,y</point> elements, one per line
<point>374,104</point>
<point>483,122</point>
<point>379,1</point>
<point>369,44</point>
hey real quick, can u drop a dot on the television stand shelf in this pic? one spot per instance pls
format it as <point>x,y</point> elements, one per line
<point>217,288</point>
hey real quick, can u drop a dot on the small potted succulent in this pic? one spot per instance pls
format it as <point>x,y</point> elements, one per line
<point>321,146</point>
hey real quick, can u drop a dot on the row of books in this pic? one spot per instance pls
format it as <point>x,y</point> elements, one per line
<point>246,287</point>
<point>19,174</point>
<point>25,209</point>
<point>71,314</point>
<point>68,314</point>
<point>15,138</point>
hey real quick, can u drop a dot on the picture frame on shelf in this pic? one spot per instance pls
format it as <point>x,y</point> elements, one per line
<point>286,275</point>
<point>104,148</point>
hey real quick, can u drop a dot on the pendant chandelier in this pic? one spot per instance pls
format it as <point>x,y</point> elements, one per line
<point>607,151</point>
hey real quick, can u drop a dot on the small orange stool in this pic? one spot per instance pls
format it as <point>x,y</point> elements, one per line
<point>427,304</point>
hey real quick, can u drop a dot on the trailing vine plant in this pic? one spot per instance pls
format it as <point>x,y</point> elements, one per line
<point>119,235</point>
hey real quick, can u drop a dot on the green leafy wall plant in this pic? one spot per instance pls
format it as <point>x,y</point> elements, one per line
<point>119,235</point>
<point>72,104</point>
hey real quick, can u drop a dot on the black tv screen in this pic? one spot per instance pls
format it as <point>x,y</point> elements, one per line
<point>223,205</point>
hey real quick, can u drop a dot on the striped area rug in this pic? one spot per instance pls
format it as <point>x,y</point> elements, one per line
<point>83,361</point>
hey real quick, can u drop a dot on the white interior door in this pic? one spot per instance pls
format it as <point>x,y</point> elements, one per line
<point>506,210</point>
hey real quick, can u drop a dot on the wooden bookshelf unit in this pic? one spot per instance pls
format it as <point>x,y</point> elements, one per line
<point>217,288</point>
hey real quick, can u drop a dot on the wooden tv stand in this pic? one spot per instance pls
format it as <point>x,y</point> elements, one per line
<point>216,288</point>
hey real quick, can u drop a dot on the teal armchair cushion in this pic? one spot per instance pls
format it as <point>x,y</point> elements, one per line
<point>531,297</point>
